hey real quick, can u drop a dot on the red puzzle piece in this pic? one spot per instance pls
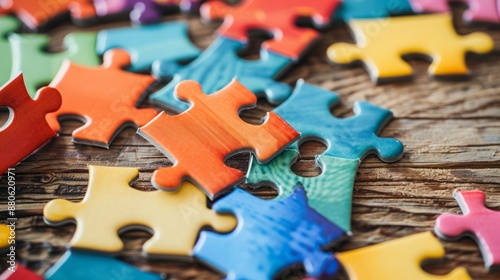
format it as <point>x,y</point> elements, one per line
<point>275,17</point>
<point>20,273</point>
<point>105,97</point>
<point>26,130</point>
<point>480,222</point>
<point>35,14</point>
<point>200,139</point>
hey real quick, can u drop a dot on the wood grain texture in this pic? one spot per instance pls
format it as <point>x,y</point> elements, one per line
<point>451,133</point>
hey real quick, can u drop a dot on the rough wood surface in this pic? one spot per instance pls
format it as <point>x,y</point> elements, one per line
<point>451,133</point>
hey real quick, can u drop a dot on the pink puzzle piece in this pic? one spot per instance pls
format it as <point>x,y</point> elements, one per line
<point>479,10</point>
<point>480,222</point>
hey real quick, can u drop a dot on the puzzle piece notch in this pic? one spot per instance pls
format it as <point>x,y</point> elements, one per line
<point>7,24</point>
<point>20,273</point>
<point>479,10</point>
<point>105,110</point>
<point>174,217</point>
<point>27,129</point>
<point>140,11</point>
<point>271,235</point>
<point>288,40</point>
<point>39,15</point>
<point>431,35</point>
<point>398,259</point>
<point>99,267</point>
<point>353,137</point>
<point>330,193</point>
<point>146,44</point>
<point>212,128</point>
<point>477,221</point>
<point>217,66</point>
<point>358,9</point>
<point>28,54</point>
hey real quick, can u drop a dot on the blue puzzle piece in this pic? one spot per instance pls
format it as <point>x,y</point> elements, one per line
<point>358,9</point>
<point>271,235</point>
<point>148,43</point>
<point>330,193</point>
<point>355,137</point>
<point>84,265</point>
<point>217,66</point>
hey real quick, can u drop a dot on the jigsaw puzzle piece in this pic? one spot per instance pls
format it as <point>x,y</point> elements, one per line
<point>7,24</point>
<point>83,265</point>
<point>40,14</point>
<point>398,259</point>
<point>431,35</point>
<point>175,218</point>
<point>104,97</point>
<point>28,55</point>
<point>481,223</point>
<point>140,11</point>
<point>351,138</point>
<point>212,128</point>
<point>330,193</point>
<point>4,236</point>
<point>146,44</point>
<point>355,9</point>
<point>217,66</point>
<point>274,18</point>
<point>19,273</point>
<point>479,10</point>
<point>26,130</point>
<point>271,235</point>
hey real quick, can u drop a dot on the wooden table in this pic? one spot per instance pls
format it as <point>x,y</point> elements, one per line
<point>451,133</point>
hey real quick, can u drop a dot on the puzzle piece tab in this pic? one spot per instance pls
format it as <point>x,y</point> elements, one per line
<point>82,265</point>
<point>140,11</point>
<point>308,111</point>
<point>271,235</point>
<point>481,223</point>
<point>26,130</point>
<point>20,273</point>
<point>329,193</point>
<point>28,55</point>
<point>217,66</point>
<point>7,24</point>
<point>175,218</point>
<point>273,17</point>
<point>479,10</point>
<point>146,44</point>
<point>431,35</point>
<point>38,15</point>
<point>398,259</point>
<point>355,9</point>
<point>199,140</point>
<point>105,97</point>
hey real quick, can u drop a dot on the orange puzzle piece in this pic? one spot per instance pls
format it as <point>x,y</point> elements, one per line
<point>37,14</point>
<point>275,17</point>
<point>200,139</point>
<point>105,97</point>
<point>26,130</point>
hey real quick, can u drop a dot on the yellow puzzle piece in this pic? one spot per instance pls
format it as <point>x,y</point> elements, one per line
<point>4,236</point>
<point>111,206</point>
<point>398,259</point>
<point>382,42</point>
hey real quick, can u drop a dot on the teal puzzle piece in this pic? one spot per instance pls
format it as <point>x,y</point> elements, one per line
<point>83,265</point>
<point>217,66</point>
<point>7,24</point>
<point>359,9</point>
<point>308,111</point>
<point>148,43</point>
<point>40,67</point>
<point>330,193</point>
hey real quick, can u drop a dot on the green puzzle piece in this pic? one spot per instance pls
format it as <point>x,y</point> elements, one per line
<point>7,25</point>
<point>40,67</point>
<point>329,193</point>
